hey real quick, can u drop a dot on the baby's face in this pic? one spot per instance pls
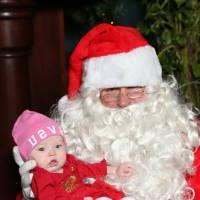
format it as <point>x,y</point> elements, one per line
<point>50,154</point>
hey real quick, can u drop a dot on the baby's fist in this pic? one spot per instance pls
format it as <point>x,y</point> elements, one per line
<point>125,170</point>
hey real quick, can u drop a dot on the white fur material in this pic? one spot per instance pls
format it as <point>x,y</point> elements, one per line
<point>139,67</point>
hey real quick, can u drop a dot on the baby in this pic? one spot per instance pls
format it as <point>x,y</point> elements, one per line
<point>59,175</point>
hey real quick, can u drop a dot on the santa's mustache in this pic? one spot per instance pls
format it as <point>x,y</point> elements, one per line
<point>118,116</point>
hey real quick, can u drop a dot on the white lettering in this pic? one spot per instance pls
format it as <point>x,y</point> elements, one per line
<point>32,140</point>
<point>42,134</point>
<point>52,129</point>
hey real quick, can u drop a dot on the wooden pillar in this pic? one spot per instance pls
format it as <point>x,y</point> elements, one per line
<point>47,59</point>
<point>15,43</point>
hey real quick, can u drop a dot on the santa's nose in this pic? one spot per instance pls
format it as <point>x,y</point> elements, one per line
<point>123,99</point>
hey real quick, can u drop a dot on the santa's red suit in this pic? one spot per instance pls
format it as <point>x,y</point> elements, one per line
<point>194,180</point>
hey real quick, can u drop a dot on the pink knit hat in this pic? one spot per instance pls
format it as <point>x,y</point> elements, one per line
<point>30,129</point>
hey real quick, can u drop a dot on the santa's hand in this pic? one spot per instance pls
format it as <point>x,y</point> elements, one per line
<point>24,171</point>
<point>124,170</point>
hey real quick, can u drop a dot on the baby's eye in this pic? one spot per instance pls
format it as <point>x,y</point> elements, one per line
<point>58,146</point>
<point>41,149</point>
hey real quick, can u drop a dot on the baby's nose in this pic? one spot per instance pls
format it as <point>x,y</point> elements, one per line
<point>52,152</point>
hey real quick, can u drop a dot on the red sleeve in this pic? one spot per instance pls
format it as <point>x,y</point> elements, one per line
<point>19,196</point>
<point>95,170</point>
<point>194,180</point>
<point>42,186</point>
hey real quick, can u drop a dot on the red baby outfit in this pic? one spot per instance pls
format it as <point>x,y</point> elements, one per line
<point>70,184</point>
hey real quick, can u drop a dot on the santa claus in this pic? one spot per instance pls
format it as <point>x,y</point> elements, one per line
<point>119,108</point>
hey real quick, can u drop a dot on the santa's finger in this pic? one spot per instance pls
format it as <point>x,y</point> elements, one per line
<point>17,157</point>
<point>26,180</point>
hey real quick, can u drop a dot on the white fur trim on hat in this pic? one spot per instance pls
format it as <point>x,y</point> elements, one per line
<point>138,67</point>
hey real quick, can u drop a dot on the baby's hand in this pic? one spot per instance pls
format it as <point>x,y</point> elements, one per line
<point>124,170</point>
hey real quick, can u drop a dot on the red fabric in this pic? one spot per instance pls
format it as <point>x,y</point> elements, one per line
<point>194,181</point>
<point>51,186</point>
<point>19,196</point>
<point>104,39</point>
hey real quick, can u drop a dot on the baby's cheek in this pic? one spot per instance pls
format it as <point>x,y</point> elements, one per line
<point>42,163</point>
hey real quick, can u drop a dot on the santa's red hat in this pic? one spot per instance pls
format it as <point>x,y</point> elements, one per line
<point>113,56</point>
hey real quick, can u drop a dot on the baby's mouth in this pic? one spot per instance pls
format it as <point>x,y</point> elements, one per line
<point>53,163</point>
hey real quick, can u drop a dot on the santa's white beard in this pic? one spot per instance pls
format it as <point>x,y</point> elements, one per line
<point>156,135</point>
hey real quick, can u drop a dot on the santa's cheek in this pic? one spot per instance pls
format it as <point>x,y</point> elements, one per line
<point>109,103</point>
<point>137,99</point>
